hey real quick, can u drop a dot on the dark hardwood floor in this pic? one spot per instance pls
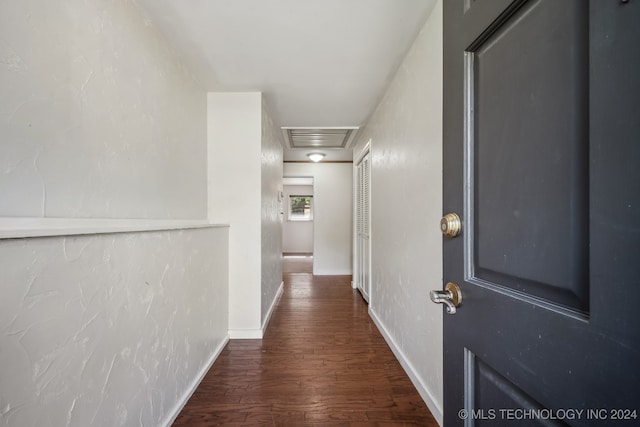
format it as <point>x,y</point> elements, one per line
<point>322,362</point>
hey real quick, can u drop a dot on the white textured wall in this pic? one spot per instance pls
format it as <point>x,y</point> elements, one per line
<point>108,329</point>
<point>333,214</point>
<point>245,177</point>
<point>297,236</point>
<point>406,135</point>
<point>235,193</point>
<point>98,117</point>
<point>271,234</point>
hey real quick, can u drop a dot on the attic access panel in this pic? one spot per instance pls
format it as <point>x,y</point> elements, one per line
<point>319,137</point>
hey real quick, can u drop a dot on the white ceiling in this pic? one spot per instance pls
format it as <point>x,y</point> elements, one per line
<point>319,63</point>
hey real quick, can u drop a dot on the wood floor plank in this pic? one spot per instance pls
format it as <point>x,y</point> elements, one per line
<point>322,362</point>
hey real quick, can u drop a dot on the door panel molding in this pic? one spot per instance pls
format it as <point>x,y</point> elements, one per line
<point>548,236</point>
<point>491,398</point>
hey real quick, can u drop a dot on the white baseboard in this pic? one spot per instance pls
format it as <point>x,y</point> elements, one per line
<point>332,272</point>
<point>245,334</point>
<point>272,307</point>
<point>195,383</point>
<point>409,369</point>
<point>257,334</point>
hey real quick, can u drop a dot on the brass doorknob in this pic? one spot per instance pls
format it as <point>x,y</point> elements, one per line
<point>451,297</point>
<point>450,225</point>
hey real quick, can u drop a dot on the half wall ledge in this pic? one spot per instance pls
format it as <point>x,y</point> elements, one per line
<point>24,227</point>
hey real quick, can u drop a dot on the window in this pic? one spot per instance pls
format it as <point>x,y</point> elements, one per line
<point>300,208</point>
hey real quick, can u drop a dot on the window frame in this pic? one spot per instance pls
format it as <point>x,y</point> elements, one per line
<point>290,217</point>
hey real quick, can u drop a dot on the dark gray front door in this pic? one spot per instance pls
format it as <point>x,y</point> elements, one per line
<point>542,163</point>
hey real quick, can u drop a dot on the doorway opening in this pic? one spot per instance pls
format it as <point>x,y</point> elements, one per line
<point>298,223</point>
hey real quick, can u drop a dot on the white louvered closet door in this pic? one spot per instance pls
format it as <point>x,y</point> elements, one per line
<point>363,220</point>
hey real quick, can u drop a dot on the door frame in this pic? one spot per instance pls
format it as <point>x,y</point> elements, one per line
<point>357,159</point>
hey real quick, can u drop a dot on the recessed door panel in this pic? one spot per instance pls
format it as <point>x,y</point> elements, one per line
<point>493,399</point>
<point>528,153</point>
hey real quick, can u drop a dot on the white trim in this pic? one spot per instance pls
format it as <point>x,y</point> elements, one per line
<point>271,309</point>
<point>365,150</point>
<point>427,396</point>
<point>352,138</point>
<point>332,272</point>
<point>354,225</point>
<point>288,143</point>
<point>257,334</point>
<point>21,227</point>
<point>194,384</point>
<point>245,334</point>
<point>358,158</point>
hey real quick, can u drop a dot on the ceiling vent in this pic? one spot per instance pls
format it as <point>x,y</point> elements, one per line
<point>307,137</point>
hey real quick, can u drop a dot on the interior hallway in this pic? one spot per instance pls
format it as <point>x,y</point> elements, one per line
<point>322,362</point>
